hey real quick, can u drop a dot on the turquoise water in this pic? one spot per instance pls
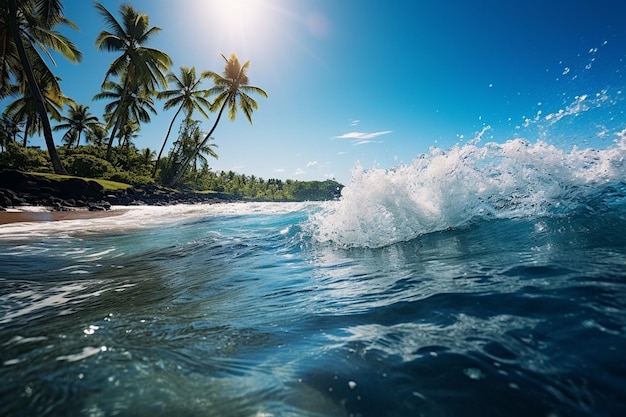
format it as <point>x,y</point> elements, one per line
<point>481,281</point>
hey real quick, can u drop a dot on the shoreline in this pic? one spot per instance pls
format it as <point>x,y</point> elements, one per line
<point>35,216</point>
<point>41,199</point>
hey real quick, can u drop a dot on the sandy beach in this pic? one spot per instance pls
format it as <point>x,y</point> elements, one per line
<point>22,216</point>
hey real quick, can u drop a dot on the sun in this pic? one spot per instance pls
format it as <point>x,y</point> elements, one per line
<point>237,14</point>
<point>245,22</point>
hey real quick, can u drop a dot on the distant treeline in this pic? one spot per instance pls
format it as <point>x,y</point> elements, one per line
<point>251,187</point>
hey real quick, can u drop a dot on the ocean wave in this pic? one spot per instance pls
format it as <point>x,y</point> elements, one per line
<point>452,188</point>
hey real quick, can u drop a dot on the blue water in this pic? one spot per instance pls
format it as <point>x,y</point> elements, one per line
<point>486,280</point>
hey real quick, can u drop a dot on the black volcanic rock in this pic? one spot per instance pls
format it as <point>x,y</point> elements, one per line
<point>19,188</point>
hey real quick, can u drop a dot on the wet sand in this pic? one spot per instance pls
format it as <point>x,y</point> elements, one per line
<point>47,216</point>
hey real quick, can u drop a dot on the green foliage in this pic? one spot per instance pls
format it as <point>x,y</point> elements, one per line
<point>254,188</point>
<point>316,190</point>
<point>21,158</point>
<point>131,178</point>
<point>91,166</point>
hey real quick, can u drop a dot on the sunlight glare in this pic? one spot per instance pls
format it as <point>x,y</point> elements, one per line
<point>241,21</point>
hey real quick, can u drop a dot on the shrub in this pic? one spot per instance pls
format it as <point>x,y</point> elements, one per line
<point>84,165</point>
<point>18,157</point>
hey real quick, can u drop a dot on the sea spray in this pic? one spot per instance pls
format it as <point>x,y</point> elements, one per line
<point>453,188</point>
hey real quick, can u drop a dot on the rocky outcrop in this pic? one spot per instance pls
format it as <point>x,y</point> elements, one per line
<point>21,189</point>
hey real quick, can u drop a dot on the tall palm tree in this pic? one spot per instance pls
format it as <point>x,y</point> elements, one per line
<point>31,26</point>
<point>138,67</point>
<point>187,96</point>
<point>79,120</point>
<point>232,91</point>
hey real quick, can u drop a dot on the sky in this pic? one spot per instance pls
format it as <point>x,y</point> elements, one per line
<point>380,83</point>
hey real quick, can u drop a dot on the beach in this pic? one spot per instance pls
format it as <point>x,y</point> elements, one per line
<point>39,214</point>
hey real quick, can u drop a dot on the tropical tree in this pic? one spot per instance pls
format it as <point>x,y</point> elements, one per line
<point>186,96</point>
<point>126,107</point>
<point>189,139</point>
<point>27,27</point>
<point>25,109</point>
<point>197,142</point>
<point>147,156</point>
<point>140,69</point>
<point>79,120</point>
<point>98,134</point>
<point>232,91</point>
<point>128,131</point>
<point>9,129</point>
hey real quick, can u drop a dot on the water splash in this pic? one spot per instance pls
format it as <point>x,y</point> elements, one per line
<point>452,188</point>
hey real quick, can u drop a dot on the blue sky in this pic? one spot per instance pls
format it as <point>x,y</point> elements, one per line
<point>382,82</point>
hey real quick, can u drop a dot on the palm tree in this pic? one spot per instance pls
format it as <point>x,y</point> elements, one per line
<point>79,120</point>
<point>140,68</point>
<point>147,156</point>
<point>232,91</point>
<point>190,138</point>
<point>30,25</point>
<point>9,129</point>
<point>128,131</point>
<point>126,106</point>
<point>197,141</point>
<point>186,96</point>
<point>98,134</point>
<point>25,109</point>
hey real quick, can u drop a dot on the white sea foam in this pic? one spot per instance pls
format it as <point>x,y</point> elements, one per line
<point>447,189</point>
<point>136,217</point>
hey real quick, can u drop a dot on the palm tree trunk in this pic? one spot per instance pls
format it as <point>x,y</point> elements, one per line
<point>192,155</point>
<point>111,138</point>
<point>156,164</point>
<point>118,121</point>
<point>35,91</point>
<point>26,129</point>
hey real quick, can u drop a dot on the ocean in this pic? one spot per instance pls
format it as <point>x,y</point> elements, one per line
<point>482,280</point>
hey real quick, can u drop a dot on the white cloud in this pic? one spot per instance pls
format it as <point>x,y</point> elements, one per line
<point>364,142</point>
<point>279,170</point>
<point>299,171</point>
<point>354,122</point>
<point>311,164</point>
<point>363,135</point>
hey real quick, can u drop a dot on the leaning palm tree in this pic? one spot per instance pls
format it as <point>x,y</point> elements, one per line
<point>186,96</point>
<point>139,67</point>
<point>79,120</point>
<point>232,91</point>
<point>31,26</point>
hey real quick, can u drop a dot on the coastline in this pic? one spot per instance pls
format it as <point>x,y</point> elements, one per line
<point>26,197</point>
<point>43,214</point>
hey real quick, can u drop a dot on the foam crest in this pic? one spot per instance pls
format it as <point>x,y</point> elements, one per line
<point>452,188</point>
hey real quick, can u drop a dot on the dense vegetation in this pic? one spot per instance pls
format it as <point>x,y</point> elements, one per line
<point>103,147</point>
